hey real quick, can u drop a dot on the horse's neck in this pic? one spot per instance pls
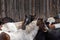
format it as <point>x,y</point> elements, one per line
<point>31,26</point>
<point>32,29</point>
<point>19,24</point>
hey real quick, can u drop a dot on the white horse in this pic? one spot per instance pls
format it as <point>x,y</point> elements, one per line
<point>18,34</point>
<point>51,20</point>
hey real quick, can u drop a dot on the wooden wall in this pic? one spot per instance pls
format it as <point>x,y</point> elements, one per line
<point>16,9</point>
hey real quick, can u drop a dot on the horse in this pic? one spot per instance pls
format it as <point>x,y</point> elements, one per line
<point>47,34</point>
<point>20,32</point>
<point>41,34</point>
<point>52,23</point>
<point>28,34</point>
<point>3,35</point>
<point>54,33</point>
<point>7,19</point>
<point>28,19</point>
<point>51,20</point>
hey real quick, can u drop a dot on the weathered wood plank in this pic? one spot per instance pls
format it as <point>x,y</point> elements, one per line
<point>17,9</point>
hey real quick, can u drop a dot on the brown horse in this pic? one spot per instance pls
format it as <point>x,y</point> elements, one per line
<point>49,35</point>
<point>41,24</point>
<point>41,34</point>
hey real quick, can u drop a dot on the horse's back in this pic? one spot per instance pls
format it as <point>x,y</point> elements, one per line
<point>40,35</point>
<point>53,35</point>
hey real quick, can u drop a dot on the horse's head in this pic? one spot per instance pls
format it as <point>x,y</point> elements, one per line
<point>51,20</point>
<point>7,19</point>
<point>28,19</point>
<point>41,24</point>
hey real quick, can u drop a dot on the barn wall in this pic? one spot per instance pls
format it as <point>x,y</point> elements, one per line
<point>16,9</point>
<point>0,8</point>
